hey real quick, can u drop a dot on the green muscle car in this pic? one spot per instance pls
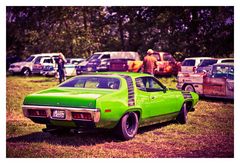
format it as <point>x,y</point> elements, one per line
<point>121,101</point>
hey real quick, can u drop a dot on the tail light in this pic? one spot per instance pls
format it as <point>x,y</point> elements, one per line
<point>37,113</point>
<point>81,116</point>
<point>194,69</point>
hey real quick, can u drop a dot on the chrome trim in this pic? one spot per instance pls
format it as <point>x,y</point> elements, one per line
<point>95,113</point>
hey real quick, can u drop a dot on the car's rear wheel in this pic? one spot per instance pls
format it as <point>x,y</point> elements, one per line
<point>189,88</point>
<point>128,126</point>
<point>182,116</point>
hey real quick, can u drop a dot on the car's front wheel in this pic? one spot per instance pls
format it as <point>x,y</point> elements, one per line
<point>128,126</point>
<point>182,116</point>
<point>26,71</point>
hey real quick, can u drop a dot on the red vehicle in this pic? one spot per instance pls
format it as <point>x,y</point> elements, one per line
<point>218,83</point>
<point>166,64</point>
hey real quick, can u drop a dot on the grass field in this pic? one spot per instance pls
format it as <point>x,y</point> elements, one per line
<point>208,133</point>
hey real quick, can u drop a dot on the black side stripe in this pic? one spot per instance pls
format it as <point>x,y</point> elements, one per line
<point>131,100</point>
<point>186,95</point>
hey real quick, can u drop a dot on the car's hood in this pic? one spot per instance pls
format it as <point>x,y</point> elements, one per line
<point>23,63</point>
<point>66,97</point>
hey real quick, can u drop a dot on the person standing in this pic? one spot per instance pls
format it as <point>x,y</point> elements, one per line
<point>60,63</point>
<point>149,64</point>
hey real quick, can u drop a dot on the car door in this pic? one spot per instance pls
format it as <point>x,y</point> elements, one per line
<point>215,84</point>
<point>155,99</point>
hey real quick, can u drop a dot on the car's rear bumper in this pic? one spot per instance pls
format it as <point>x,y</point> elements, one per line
<point>44,115</point>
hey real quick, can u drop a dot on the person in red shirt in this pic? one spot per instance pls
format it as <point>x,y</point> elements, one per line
<point>149,64</point>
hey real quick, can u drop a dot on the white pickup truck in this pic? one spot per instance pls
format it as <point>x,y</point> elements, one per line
<point>26,67</point>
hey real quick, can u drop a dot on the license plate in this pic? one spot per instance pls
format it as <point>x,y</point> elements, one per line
<point>58,114</point>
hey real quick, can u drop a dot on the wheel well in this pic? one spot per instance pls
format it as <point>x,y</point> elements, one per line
<point>184,86</point>
<point>26,68</point>
<point>135,111</point>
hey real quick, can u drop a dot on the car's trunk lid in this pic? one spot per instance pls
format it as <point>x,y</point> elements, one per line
<point>66,97</point>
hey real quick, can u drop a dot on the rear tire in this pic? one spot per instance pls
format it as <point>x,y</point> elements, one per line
<point>182,116</point>
<point>128,126</point>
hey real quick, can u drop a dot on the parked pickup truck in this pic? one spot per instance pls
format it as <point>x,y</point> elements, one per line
<point>219,82</point>
<point>166,64</point>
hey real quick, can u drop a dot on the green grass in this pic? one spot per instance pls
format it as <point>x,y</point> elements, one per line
<point>208,133</point>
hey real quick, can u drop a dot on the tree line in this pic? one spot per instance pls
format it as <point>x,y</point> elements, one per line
<point>82,30</point>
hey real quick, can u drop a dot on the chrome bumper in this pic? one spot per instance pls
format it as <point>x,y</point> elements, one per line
<point>95,113</point>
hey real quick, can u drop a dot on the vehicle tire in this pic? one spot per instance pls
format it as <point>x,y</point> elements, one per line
<point>26,71</point>
<point>182,116</point>
<point>189,88</point>
<point>128,126</point>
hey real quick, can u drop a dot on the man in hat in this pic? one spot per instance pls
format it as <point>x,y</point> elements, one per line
<point>149,64</point>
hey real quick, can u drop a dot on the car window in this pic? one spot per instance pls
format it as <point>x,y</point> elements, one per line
<point>207,62</point>
<point>94,56</point>
<point>168,57</point>
<point>149,84</point>
<point>29,59</point>
<point>227,61</point>
<point>231,73</point>
<point>47,61</point>
<point>223,71</point>
<point>37,60</point>
<point>157,56</point>
<point>107,56</point>
<point>189,62</point>
<point>93,82</point>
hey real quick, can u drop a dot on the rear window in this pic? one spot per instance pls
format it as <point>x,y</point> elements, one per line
<point>227,61</point>
<point>157,56</point>
<point>207,62</point>
<point>168,57</point>
<point>93,82</point>
<point>189,62</point>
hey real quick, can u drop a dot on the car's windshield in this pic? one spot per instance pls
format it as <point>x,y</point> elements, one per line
<point>94,56</point>
<point>29,59</point>
<point>223,71</point>
<point>207,62</point>
<point>93,82</point>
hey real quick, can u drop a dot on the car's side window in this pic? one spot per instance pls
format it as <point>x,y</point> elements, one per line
<point>149,84</point>
<point>105,56</point>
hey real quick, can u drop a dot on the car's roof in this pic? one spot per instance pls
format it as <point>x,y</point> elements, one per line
<point>45,54</point>
<point>198,58</point>
<point>225,64</point>
<point>131,74</point>
<point>112,52</point>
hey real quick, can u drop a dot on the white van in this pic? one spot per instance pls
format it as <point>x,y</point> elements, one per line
<point>189,65</point>
<point>26,67</point>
